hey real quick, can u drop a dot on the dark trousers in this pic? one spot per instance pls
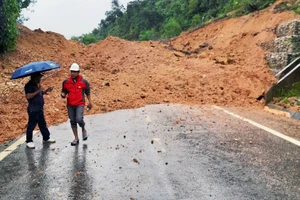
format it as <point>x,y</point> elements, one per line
<point>34,119</point>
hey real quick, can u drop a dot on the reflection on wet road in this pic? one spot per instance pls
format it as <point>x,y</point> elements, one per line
<point>156,152</point>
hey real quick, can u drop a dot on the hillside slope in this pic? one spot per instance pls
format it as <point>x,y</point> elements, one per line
<point>221,64</point>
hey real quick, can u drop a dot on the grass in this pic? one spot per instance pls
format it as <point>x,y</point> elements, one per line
<point>287,93</point>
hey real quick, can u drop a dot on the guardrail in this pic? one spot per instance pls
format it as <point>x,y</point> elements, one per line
<point>288,68</point>
<point>287,77</point>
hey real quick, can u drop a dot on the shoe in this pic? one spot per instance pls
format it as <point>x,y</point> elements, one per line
<point>30,145</point>
<point>74,142</point>
<point>50,140</point>
<point>84,136</point>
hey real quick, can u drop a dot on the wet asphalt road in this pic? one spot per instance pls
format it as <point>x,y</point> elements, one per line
<point>156,152</point>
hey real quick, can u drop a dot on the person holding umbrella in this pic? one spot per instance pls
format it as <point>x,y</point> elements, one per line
<point>75,88</point>
<point>34,94</point>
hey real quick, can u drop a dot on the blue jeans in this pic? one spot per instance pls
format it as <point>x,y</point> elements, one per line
<point>76,116</point>
<point>34,119</point>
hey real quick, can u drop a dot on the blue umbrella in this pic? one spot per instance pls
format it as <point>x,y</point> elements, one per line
<point>34,67</point>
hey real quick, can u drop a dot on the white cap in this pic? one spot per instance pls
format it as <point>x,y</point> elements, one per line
<point>75,67</point>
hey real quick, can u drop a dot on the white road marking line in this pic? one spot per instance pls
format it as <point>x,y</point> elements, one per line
<point>13,147</point>
<point>159,142</point>
<point>278,134</point>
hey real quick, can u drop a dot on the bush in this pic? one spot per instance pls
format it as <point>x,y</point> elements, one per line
<point>196,20</point>
<point>9,12</point>
<point>85,38</point>
<point>147,35</point>
<point>172,28</point>
<point>296,7</point>
<point>291,92</point>
<point>249,6</point>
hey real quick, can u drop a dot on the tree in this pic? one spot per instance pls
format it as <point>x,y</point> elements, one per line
<point>153,19</point>
<point>196,20</point>
<point>9,13</point>
<point>148,35</point>
<point>25,3</point>
<point>193,6</point>
<point>172,28</point>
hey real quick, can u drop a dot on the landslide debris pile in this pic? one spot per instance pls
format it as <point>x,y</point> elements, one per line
<point>222,64</point>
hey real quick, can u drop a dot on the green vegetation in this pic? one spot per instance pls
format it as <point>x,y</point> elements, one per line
<point>293,5</point>
<point>292,92</point>
<point>85,38</point>
<point>288,96</point>
<point>9,13</point>
<point>296,7</point>
<point>159,19</point>
<point>143,19</point>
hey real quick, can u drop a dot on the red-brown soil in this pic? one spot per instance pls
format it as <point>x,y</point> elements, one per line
<point>222,64</point>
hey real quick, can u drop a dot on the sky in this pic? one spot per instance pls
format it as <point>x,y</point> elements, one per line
<point>68,17</point>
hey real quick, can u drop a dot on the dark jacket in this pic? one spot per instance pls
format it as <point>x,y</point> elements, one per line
<point>36,103</point>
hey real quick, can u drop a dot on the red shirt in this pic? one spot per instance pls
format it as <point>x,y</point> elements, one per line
<point>76,89</point>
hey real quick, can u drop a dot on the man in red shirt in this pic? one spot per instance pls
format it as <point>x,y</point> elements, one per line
<point>75,88</point>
